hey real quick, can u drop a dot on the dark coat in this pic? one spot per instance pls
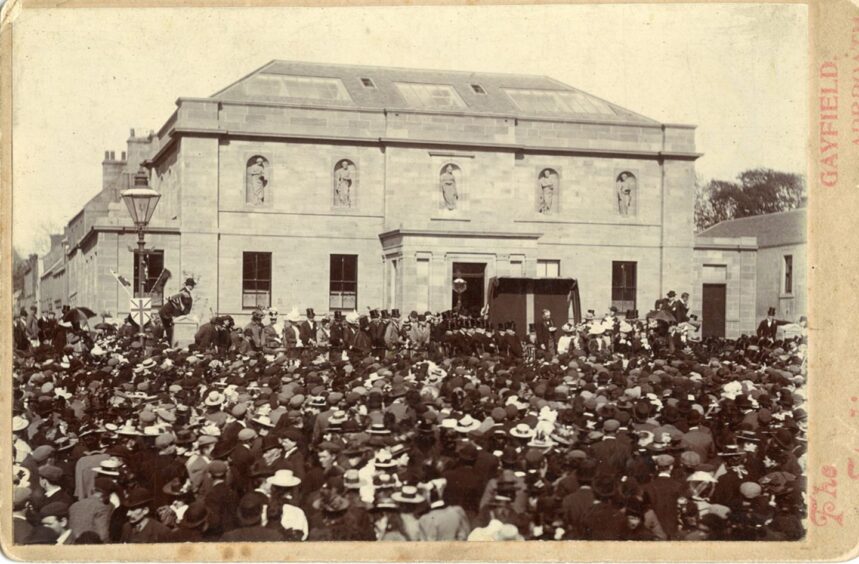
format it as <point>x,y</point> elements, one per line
<point>222,502</point>
<point>254,533</point>
<point>604,521</point>
<point>464,488</point>
<point>662,493</point>
<point>574,508</point>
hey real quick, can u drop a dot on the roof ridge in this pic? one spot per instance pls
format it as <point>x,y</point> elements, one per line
<point>397,68</point>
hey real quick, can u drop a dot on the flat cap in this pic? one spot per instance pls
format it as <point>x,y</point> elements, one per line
<point>51,472</point>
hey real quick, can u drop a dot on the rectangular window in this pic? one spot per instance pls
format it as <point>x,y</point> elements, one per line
<point>343,282</point>
<point>548,269</point>
<point>256,280</point>
<point>439,96</point>
<point>558,102</point>
<point>153,265</point>
<point>623,285</point>
<point>788,274</point>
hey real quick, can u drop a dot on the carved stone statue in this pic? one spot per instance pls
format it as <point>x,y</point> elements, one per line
<point>548,181</point>
<point>257,180</point>
<point>343,184</point>
<point>447,181</point>
<point>625,186</point>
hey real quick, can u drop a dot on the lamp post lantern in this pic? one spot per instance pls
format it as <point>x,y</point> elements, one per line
<point>141,202</point>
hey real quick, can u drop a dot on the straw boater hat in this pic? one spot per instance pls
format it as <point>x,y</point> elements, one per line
<point>408,494</point>
<point>214,399</point>
<point>467,424</point>
<point>522,431</point>
<point>285,479</point>
<point>109,467</point>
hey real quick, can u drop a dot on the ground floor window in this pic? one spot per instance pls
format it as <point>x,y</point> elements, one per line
<point>623,285</point>
<point>153,267</point>
<point>343,282</point>
<point>256,280</point>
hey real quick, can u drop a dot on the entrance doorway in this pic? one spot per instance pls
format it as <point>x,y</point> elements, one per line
<point>713,310</point>
<point>473,299</point>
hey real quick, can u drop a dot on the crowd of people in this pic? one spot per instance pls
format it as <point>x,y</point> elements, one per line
<point>423,428</point>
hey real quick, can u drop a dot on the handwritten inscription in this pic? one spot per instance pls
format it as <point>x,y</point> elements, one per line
<point>823,499</point>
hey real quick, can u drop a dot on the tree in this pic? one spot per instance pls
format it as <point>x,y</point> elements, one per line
<point>756,192</point>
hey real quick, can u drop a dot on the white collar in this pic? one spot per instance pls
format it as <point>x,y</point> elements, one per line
<point>62,538</point>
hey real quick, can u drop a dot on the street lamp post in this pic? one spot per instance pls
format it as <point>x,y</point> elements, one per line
<point>141,202</point>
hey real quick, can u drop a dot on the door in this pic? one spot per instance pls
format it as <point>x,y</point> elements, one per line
<point>474,274</point>
<point>713,311</point>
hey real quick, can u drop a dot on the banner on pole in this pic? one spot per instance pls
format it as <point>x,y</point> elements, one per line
<point>141,310</point>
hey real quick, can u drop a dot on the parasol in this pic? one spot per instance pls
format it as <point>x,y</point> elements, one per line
<point>662,315</point>
<point>79,314</point>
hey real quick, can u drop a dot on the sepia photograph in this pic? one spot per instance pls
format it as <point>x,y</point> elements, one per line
<point>408,273</point>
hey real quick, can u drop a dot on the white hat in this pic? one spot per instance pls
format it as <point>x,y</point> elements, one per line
<point>19,423</point>
<point>214,398</point>
<point>522,431</point>
<point>285,479</point>
<point>701,476</point>
<point>467,424</point>
<point>293,316</point>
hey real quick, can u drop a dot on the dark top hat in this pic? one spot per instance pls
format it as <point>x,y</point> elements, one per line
<point>374,314</point>
<point>190,282</point>
<point>385,314</point>
<point>310,314</point>
<point>338,315</point>
<point>771,312</point>
<point>395,313</point>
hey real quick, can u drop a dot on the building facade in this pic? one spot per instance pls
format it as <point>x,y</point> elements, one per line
<point>772,250</point>
<point>341,187</point>
<point>346,187</point>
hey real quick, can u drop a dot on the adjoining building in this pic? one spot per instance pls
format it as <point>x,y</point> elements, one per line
<point>745,266</point>
<point>339,187</point>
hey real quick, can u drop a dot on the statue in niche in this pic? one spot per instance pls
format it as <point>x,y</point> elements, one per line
<point>447,182</point>
<point>344,178</point>
<point>548,181</point>
<point>257,180</point>
<point>625,186</point>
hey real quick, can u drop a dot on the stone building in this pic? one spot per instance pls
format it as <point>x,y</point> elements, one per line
<point>347,187</point>
<point>745,266</point>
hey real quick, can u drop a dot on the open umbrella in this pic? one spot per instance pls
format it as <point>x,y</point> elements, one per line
<point>662,315</point>
<point>79,314</point>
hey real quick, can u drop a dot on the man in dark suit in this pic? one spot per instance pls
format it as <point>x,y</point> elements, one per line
<point>546,333</point>
<point>307,329</point>
<point>611,453</point>
<point>768,328</point>
<point>464,485</point>
<point>663,492</point>
<point>576,504</point>
<point>249,515</point>
<point>178,305</point>
<point>680,308</point>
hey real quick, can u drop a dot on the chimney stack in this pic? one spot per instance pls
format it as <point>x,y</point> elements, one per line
<point>123,155</point>
<point>107,155</point>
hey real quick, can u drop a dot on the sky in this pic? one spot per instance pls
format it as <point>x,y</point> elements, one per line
<point>82,78</point>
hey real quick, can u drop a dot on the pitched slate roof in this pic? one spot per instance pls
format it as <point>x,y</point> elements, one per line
<point>771,230</point>
<point>392,89</point>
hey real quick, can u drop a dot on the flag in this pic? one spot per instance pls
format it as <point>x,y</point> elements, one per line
<point>123,281</point>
